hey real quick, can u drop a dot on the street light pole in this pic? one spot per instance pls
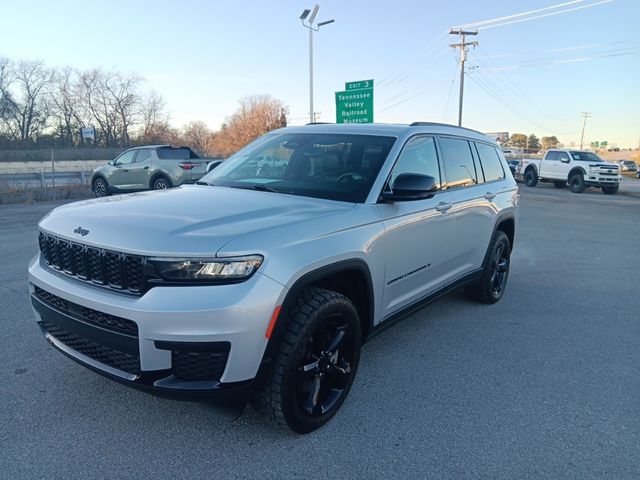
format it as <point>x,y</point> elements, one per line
<point>309,25</point>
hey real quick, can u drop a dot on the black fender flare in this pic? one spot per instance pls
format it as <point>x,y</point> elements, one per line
<point>304,281</point>
<point>575,170</point>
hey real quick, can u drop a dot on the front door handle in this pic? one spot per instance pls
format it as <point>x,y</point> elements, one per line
<point>125,169</point>
<point>146,168</point>
<point>443,207</point>
<point>490,196</point>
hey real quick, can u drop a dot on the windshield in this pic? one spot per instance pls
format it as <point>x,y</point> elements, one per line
<point>322,165</point>
<point>585,157</point>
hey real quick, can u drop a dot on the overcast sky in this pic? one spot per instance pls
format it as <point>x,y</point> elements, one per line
<point>202,56</point>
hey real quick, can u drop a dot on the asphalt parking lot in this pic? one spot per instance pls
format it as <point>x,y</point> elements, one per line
<point>544,384</point>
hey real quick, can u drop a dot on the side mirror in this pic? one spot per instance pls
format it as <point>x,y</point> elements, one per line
<point>411,186</point>
<point>565,160</point>
<point>111,162</point>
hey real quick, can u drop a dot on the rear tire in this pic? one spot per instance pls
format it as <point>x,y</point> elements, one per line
<point>316,362</point>
<point>610,190</point>
<point>559,184</point>
<point>161,183</point>
<point>495,273</point>
<point>576,183</point>
<point>530,178</point>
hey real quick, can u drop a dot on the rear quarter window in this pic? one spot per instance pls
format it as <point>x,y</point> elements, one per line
<point>490,161</point>
<point>176,153</point>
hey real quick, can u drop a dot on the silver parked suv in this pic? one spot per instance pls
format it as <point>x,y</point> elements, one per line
<point>154,167</point>
<point>263,281</point>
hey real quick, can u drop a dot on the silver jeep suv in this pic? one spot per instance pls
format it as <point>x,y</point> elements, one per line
<point>261,282</point>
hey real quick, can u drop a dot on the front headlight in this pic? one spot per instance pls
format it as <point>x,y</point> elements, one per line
<point>206,270</point>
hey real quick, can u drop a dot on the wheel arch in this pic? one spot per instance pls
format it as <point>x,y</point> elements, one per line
<point>575,170</point>
<point>157,174</point>
<point>351,278</point>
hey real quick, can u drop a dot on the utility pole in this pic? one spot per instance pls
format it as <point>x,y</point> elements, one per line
<point>463,57</point>
<point>585,115</point>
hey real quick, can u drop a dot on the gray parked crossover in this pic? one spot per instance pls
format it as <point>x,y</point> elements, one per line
<point>261,282</point>
<point>154,167</point>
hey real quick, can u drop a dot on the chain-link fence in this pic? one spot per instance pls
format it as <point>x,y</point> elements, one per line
<point>39,169</point>
<point>59,154</point>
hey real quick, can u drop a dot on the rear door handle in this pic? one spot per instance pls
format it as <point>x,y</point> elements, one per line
<point>443,207</point>
<point>490,196</point>
<point>146,168</point>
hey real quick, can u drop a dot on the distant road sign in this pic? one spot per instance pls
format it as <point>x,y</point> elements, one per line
<point>595,144</point>
<point>88,132</point>
<point>358,85</point>
<point>604,143</point>
<point>355,104</point>
<point>498,136</point>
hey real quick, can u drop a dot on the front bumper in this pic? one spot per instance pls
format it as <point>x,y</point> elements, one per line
<point>139,341</point>
<point>596,180</point>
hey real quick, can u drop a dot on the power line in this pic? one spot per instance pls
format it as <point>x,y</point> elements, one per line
<point>535,17</point>
<point>517,15</point>
<point>496,96</point>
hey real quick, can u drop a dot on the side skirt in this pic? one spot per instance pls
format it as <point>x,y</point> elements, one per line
<point>418,304</point>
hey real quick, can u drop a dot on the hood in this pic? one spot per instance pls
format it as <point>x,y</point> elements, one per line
<point>190,220</point>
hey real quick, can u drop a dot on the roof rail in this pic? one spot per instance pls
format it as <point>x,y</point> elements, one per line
<point>435,124</point>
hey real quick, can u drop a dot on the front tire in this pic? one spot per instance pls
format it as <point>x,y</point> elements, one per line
<point>99,187</point>
<point>316,362</point>
<point>495,273</point>
<point>610,190</point>
<point>576,183</point>
<point>530,178</point>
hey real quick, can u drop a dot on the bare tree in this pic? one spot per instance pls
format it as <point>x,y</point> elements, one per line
<point>125,102</point>
<point>66,105</point>
<point>152,115</point>
<point>256,116</point>
<point>199,137</point>
<point>25,105</point>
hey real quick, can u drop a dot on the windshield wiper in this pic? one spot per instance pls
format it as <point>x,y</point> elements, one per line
<point>259,186</point>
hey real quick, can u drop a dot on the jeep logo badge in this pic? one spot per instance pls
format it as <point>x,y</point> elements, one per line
<point>81,231</point>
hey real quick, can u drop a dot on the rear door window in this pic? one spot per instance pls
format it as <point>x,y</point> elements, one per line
<point>143,155</point>
<point>457,159</point>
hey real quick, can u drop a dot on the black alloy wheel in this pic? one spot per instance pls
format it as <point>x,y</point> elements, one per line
<point>325,370</point>
<point>500,270</point>
<point>495,272</point>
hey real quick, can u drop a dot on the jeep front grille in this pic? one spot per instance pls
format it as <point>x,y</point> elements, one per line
<point>116,270</point>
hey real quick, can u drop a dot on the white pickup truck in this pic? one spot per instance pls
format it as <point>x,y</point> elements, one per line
<point>579,169</point>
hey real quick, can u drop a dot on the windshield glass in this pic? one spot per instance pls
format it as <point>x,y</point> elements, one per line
<point>332,166</point>
<point>586,156</point>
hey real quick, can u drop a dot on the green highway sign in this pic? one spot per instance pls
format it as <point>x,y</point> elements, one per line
<point>355,104</point>
<point>358,85</point>
<point>595,144</point>
<point>604,143</point>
